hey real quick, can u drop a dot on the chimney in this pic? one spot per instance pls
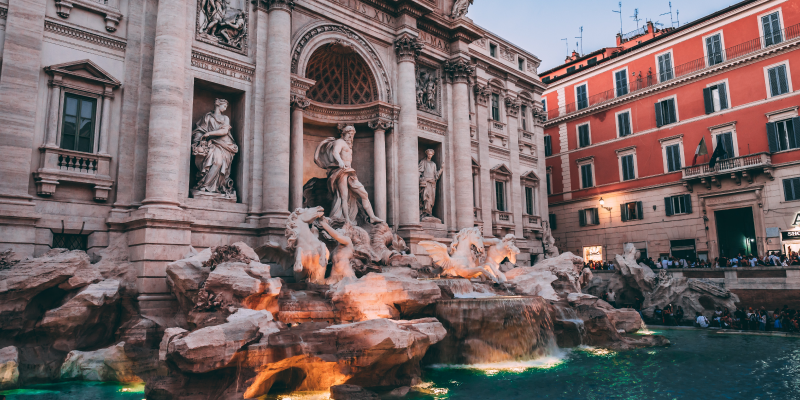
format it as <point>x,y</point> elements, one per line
<point>650,28</point>
<point>575,55</point>
<point>619,39</point>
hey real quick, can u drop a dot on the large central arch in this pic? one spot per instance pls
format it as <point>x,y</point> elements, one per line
<point>319,34</point>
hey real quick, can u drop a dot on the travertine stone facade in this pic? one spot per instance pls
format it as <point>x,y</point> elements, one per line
<point>100,101</point>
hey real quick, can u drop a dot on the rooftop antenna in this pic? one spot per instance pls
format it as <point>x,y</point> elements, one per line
<point>620,18</point>
<point>581,38</point>
<point>678,17</point>
<point>636,17</point>
<point>566,42</point>
<point>671,21</point>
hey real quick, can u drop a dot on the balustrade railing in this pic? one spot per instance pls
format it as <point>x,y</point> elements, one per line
<point>728,165</point>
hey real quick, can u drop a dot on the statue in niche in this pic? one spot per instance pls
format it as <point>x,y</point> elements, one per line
<point>427,90</point>
<point>460,8</point>
<point>429,175</point>
<point>213,149</point>
<point>336,156</point>
<point>221,22</point>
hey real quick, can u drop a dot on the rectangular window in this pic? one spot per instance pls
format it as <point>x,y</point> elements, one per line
<point>783,135</point>
<point>500,193</point>
<point>726,141</point>
<point>583,136</point>
<point>70,241</point>
<point>78,123</point>
<point>588,217</point>
<point>624,124</point>
<point>495,106</point>
<point>681,204</point>
<point>714,49</point>
<point>778,81</point>
<point>521,64</point>
<point>582,97</point>
<point>628,171</point>
<point>548,146</point>
<point>493,50</point>
<point>553,222</point>
<point>632,211</point>
<point>544,105</point>
<point>791,189</point>
<point>772,29</point>
<point>665,71</point>
<point>673,158</point>
<point>665,113</point>
<point>715,98</point>
<point>549,190</point>
<point>529,200</point>
<point>621,82</point>
<point>587,180</point>
<point>524,112</point>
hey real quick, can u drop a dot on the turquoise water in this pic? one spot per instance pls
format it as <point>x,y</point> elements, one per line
<point>699,365</point>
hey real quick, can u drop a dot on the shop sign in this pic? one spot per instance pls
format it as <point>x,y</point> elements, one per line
<point>790,235</point>
<point>796,220</point>
<point>594,253</point>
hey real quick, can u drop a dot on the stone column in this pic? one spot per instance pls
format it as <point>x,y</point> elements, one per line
<point>55,109</point>
<point>257,112</point>
<point>166,107</point>
<point>105,124</point>
<point>483,94</point>
<point>408,48</point>
<point>516,197</point>
<point>460,71</point>
<point>476,193</point>
<point>379,152</point>
<point>277,146</point>
<point>299,104</point>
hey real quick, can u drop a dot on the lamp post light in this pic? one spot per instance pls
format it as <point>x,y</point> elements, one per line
<point>603,205</point>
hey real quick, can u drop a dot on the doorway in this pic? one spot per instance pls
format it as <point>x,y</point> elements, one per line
<point>736,232</point>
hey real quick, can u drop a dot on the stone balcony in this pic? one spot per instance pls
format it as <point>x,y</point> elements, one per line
<point>525,136</point>
<point>735,168</point>
<point>60,165</point>
<point>531,223</point>
<point>502,218</point>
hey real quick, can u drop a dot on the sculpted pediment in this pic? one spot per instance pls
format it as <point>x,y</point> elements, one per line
<point>84,70</point>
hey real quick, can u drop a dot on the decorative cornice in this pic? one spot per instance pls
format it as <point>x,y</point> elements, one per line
<point>299,102</point>
<point>380,124</point>
<point>286,5</point>
<point>84,35</point>
<point>364,114</point>
<point>299,86</point>
<point>408,48</point>
<point>428,125</point>
<point>459,70</point>
<point>222,66</point>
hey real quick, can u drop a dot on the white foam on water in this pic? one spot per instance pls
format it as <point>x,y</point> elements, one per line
<point>475,295</point>
<point>546,362</point>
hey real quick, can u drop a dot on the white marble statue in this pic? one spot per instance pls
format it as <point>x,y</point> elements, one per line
<point>429,175</point>
<point>549,242</point>
<point>499,250</point>
<point>310,254</point>
<point>460,8</point>
<point>344,252</point>
<point>336,156</point>
<point>213,148</point>
<point>460,260</point>
<point>223,22</point>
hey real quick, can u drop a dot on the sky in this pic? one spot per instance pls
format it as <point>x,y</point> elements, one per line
<point>538,25</point>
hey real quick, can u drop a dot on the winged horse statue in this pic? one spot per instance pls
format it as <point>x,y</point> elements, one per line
<point>460,260</point>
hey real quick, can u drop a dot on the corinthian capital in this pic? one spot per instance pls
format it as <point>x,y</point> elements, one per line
<point>380,124</point>
<point>459,70</point>
<point>512,106</point>
<point>270,5</point>
<point>299,102</point>
<point>408,48</point>
<point>483,92</point>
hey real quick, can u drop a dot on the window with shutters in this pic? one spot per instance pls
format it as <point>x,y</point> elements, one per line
<point>553,221</point>
<point>584,137</point>
<point>673,156</point>
<point>582,96</point>
<point>78,123</point>
<point>666,112</point>
<point>681,204</point>
<point>529,200</point>
<point>548,146</point>
<point>587,175</point>
<point>621,82</point>
<point>627,167</point>
<point>778,79</point>
<point>665,70</point>
<point>726,140</point>
<point>496,107</point>
<point>549,190</point>
<point>771,29</point>
<point>588,217</point>
<point>714,49</point>
<point>715,97</point>
<point>500,195</point>
<point>784,135</point>
<point>791,189</point>
<point>632,211</point>
<point>624,123</point>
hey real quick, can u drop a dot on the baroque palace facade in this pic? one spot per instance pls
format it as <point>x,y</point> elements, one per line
<point>625,122</point>
<point>200,122</point>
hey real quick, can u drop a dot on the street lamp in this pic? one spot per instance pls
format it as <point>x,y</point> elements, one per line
<point>603,204</point>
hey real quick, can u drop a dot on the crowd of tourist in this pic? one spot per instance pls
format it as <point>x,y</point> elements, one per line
<point>599,266</point>
<point>782,319</point>
<point>771,259</point>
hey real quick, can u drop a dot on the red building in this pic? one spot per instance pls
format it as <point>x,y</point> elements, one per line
<point>623,125</point>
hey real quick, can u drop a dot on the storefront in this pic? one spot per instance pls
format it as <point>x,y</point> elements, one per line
<point>790,241</point>
<point>593,254</point>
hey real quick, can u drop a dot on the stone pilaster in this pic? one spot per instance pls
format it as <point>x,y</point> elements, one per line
<point>408,48</point>
<point>299,104</point>
<point>379,127</point>
<point>482,97</point>
<point>460,71</point>
<point>512,125</point>
<point>277,137</point>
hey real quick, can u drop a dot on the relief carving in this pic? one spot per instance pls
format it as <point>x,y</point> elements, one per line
<point>428,90</point>
<point>460,8</point>
<point>223,23</point>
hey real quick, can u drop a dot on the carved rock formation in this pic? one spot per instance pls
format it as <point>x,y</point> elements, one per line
<point>105,365</point>
<point>9,367</point>
<point>389,295</point>
<point>549,277</point>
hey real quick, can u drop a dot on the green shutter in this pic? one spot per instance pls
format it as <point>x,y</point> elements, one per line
<point>639,210</point>
<point>723,96</point>
<point>624,212</point>
<point>673,116</point>
<point>708,100</point>
<point>659,117</point>
<point>668,206</point>
<point>772,137</point>
<point>774,89</point>
<point>582,217</point>
<point>688,200</point>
